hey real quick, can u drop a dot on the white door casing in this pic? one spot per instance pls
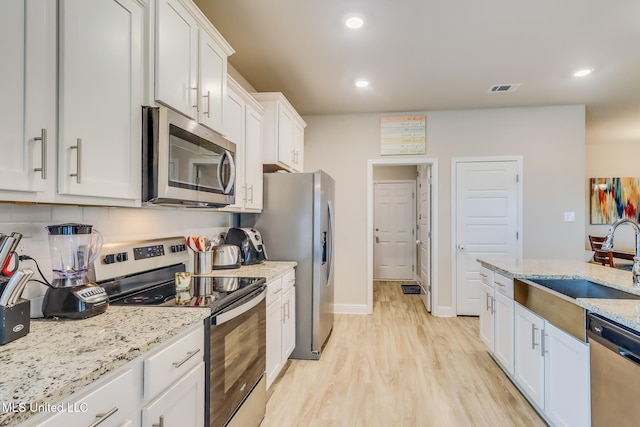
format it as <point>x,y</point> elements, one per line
<point>487,216</point>
<point>424,232</point>
<point>394,230</point>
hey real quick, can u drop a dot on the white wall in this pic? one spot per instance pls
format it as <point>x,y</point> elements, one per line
<point>115,224</point>
<point>551,141</point>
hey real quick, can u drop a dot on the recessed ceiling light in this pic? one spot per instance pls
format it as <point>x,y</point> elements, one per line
<point>354,22</point>
<point>583,72</point>
<point>362,83</point>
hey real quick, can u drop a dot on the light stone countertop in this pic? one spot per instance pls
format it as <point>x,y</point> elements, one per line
<point>267,269</point>
<point>626,312</point>
<point>59,357</point>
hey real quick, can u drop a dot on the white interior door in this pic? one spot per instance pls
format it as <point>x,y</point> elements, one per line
<point>424,232</point>
<point>394,230</point>
<point>486,223</point>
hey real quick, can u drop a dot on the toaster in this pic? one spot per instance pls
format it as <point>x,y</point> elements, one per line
<point>249,240</point>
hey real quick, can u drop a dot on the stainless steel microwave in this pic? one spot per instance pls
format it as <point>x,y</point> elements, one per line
<point>185,163</point>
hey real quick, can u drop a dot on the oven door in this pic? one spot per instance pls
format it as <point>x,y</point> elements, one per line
<point>237,359</point>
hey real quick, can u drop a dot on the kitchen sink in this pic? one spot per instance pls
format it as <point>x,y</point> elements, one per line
<point>582,288</point>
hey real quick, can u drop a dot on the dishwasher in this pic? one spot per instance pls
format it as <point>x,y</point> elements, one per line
<point>615,372</point>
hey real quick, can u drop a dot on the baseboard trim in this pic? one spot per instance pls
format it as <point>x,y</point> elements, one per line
<point>350,309</point>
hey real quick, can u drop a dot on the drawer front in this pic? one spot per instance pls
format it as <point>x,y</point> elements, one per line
<point>486,276</point>
<point>113,403</point>
<point>504,285</point>
<point>173,362</point>
<point>288,280</point>
<point>274,290</point>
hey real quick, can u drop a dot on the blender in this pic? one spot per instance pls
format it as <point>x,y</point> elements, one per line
<point>73,247</point>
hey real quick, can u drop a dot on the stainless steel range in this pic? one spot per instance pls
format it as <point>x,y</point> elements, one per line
<point>143,273</point>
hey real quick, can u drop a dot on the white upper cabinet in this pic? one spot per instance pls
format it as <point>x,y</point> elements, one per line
<point>100,98</point>
<point>176,48</point>
<point>190,63</point>
<point>283,144</point>
<point>28,93</point>
<point>243,126</point>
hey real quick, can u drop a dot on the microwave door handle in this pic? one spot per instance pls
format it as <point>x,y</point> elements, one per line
<point>228,186</point>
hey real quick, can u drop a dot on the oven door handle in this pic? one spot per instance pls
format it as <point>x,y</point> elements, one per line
<point>240,310</point>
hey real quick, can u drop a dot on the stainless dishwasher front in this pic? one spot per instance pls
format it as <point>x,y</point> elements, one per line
<point>615,373</point>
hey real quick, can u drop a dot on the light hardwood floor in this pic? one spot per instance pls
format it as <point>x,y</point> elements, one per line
<point>399,366</point>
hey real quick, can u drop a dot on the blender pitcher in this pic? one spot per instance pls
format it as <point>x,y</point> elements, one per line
<point>73,249</point>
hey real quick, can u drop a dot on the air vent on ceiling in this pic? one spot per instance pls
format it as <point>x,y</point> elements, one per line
<point>512,87</point>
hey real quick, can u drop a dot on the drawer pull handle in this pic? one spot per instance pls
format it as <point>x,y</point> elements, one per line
<point>183,361</point>
<point>277,291</point>
<point>483,275</point>
<point>103,417</point>
<point>500,284</point>
<point>160,422</point>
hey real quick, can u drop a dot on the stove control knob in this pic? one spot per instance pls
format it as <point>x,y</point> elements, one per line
<point>109,259</point>
<point>122,256</point>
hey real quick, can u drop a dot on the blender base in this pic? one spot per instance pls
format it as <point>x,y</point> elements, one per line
<point>77,302</point>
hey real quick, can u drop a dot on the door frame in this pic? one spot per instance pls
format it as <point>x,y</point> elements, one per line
<point>413,214</point>
<point>454,213</point>
<point>371,163</point>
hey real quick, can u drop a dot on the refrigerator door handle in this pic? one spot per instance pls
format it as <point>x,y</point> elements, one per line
<point>331,244</point>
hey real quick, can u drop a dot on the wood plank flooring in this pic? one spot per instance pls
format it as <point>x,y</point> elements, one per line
<point>399,366</point>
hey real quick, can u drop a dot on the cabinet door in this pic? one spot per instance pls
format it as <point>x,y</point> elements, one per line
<point>176,68</point>
<point>503,331</point>
<point>288,323</point>
<point>486,315</point>
<point>100,95</point>
<point>234,121</point>
<point>182,404</point>
<point>253,158</point>
<point>567,397</point>
<point>213,83</point>
<point>298,147</point>
<point>285,135</point>
<point>28,93</point>
<point>529,360</point>
<point>274,340</point>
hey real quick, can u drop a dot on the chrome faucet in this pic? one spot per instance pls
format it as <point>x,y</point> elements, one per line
<point>607,245</point>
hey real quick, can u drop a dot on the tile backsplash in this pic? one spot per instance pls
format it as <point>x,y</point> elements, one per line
<point>115,224</point>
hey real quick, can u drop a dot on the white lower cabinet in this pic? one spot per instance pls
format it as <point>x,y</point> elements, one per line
<point>552,369</point>
<point>281,332</point>
<point>496,316</point>
<point>182,404</point>
<point>164,387</point>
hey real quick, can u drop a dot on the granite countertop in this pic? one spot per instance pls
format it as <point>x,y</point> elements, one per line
<point>59,357</point>
<point>625,312</point>
<point>267,269</point>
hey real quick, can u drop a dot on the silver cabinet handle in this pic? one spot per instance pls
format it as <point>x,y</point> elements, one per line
<point>282,315</point>
<point>533,337</point>
<point>493,305</point>
<point>483,275</point>
<point>499,284</point>
<point>251,191</point>
<point>43,168</point>
<point>208,96</point>
<point>288,311</point>
<point>277,291</point>
<point>487,301</point>
<point>197,92</point>
<point>543,346</point>
<point>183,361</point>
<point>103,417</point>
<point>78,148</point>
<point>160,422</point>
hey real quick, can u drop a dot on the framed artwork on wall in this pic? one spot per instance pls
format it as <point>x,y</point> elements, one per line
<point>614,198</point>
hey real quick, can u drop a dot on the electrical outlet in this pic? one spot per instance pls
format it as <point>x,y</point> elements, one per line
<point>20,250</point>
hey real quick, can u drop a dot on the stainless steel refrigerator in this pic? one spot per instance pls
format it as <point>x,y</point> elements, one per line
<point>297,224</point>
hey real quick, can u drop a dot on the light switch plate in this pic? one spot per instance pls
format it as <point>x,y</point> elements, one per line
<point>569,217</point>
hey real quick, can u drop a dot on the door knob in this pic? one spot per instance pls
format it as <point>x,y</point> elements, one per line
<point>461,247</point>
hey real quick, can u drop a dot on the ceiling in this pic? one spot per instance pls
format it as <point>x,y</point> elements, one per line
<point>442,54</point>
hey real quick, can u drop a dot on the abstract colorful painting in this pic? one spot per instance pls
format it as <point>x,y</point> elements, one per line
<point>614,198</point>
